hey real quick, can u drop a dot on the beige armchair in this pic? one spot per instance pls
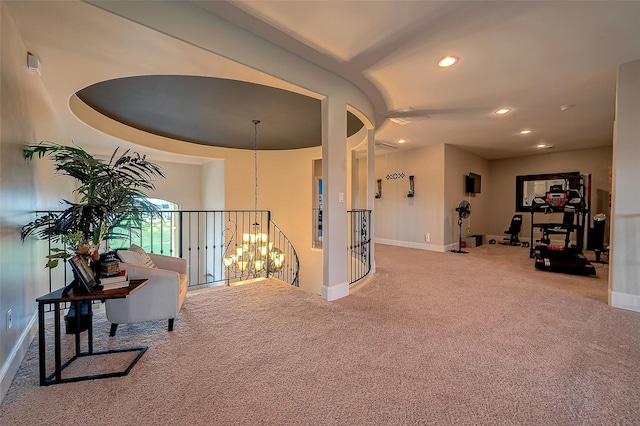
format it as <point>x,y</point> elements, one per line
<point>161,298</point>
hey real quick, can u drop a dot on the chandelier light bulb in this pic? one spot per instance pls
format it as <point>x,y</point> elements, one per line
<point>258,265</point>
<point>242,265</point>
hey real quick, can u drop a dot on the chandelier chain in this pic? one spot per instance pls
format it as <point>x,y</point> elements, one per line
<point>254,255</point>
<point>255,163</point>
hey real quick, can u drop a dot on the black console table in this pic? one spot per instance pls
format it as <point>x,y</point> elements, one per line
<point>56,298</point>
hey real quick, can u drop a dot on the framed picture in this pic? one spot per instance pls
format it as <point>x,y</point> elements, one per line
<point>83,273</point>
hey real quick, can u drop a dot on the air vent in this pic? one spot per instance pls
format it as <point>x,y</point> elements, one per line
<point>405,116</point>
<point>386,145</point>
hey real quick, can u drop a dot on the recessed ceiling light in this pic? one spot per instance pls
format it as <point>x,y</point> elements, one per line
<point>525,131</point>
<point>566,107</point>
<point>447,61</point>
<point>503,111</point>
<point>543,146</point>
<point>401,141</point>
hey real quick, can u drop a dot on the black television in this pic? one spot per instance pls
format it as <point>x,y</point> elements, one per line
<point>472,183</point>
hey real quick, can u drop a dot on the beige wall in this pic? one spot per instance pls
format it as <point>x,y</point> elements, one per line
<point>503,180</point>
<point>400,220</point>
<point>439,187</point>
<point>287,182</point>
<point>25,118</point>
<point>212,187</point>
<point>179,177</point>
<point>458,164</point>
<point>360,182</point>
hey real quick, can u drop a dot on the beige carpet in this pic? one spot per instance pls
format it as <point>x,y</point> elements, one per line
<point>435,338</point>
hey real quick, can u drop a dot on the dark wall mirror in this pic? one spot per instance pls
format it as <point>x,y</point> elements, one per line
<point>530,186</point>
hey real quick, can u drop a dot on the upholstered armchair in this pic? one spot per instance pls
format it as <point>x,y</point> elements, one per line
<point>161,298</point>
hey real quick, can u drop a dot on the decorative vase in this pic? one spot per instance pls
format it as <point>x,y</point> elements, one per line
<point>109,265</point>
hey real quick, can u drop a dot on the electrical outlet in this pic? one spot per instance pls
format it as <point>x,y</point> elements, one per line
<point>427,237</point>
<point>9,320</point>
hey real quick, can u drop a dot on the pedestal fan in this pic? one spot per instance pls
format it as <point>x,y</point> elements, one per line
<point>464,211</point>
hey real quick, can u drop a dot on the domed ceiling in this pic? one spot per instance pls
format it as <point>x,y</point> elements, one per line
<point>212,111</point>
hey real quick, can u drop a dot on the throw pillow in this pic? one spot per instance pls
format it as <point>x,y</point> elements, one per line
<point>147,262</point>
<point>128,256</point>
<point>135,258</point>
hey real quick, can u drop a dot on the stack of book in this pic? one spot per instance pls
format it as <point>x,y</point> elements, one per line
<point>116,281</point>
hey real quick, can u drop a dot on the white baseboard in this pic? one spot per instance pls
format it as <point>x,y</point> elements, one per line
<point>629,302</point>
<point>10,367</point>
<point>409,244</point>
<point>335,292</point>
<point>451,247</point>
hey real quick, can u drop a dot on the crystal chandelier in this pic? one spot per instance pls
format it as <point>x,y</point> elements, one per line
<point>256,254</point>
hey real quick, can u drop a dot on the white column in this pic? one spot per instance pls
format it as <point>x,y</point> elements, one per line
<point>335,283</point>
<point>624,265</point>
<point>371,191</point>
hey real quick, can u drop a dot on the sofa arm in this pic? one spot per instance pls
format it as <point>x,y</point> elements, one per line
<point>160,298</point>
<point>170,263</point>
<point>135,272</point>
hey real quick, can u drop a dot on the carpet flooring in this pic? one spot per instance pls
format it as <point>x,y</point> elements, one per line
<point>434,338</point>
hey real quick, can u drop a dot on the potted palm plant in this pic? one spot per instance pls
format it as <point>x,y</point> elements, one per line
<point>110,192</point>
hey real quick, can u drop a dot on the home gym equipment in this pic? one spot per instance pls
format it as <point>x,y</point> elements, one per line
<point>464,211</point>
<point>560,259</point>
<point>514,231</point>
<point>566,258</point>
<point>597,236</point>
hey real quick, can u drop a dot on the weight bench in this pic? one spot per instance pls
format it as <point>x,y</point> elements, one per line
<point>514,231</point>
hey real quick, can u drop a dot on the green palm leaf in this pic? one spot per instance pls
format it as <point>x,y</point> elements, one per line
<point>109,192</point>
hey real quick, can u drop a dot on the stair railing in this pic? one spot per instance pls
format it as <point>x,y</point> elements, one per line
<point>359,244</point>
<point>206,238</point>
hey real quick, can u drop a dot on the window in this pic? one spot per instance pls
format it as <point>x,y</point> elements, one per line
<point>155,234</point>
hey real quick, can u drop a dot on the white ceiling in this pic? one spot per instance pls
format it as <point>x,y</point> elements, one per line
<point>531,56</point>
